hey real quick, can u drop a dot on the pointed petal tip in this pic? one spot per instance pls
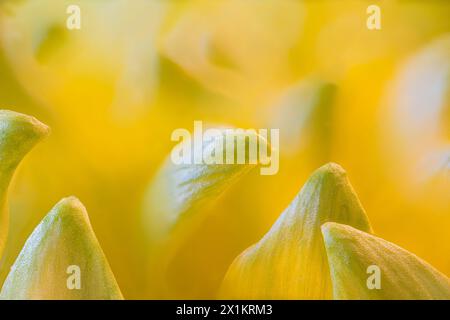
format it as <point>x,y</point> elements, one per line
<point>63,238</point>
<point>72,202</point>
<point>331,169</point>
<point>72,207</point>
<point>333,180</point>
<point>331,174</point>
<point>23,121</point>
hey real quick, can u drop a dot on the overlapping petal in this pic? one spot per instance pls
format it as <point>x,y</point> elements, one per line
<point>402,274</point>
<point>290,261</point>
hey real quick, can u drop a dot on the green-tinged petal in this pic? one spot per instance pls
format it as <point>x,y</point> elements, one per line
<point>290,261</point>
<point>355,256</point>
<point>19,133</point>
<point>179,198</point>
<point>62,259</point>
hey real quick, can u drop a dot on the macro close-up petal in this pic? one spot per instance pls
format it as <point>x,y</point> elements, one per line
<point>18,135</point>
<point>352,253</point>
<point>63,244</point>
<point>271,150</point>
<point>290,261</point>
<point>180,195</point>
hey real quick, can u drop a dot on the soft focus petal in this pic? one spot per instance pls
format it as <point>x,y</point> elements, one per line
<point>417,116</point>
<point>177,200</point>
<point>305,114</point>
<point>242,57</point>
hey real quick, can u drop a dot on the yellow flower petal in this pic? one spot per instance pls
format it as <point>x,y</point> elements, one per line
<point>63,242</point>
<point>178,199</point>
<point>402,274</point>
<point>290,262</point>
<point>19,133</point>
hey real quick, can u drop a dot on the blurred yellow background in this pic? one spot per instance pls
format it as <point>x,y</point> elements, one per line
<point>375,101</point>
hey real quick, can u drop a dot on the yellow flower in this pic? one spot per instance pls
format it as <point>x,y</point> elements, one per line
<point>374,101</point>
<point>292,261</point>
